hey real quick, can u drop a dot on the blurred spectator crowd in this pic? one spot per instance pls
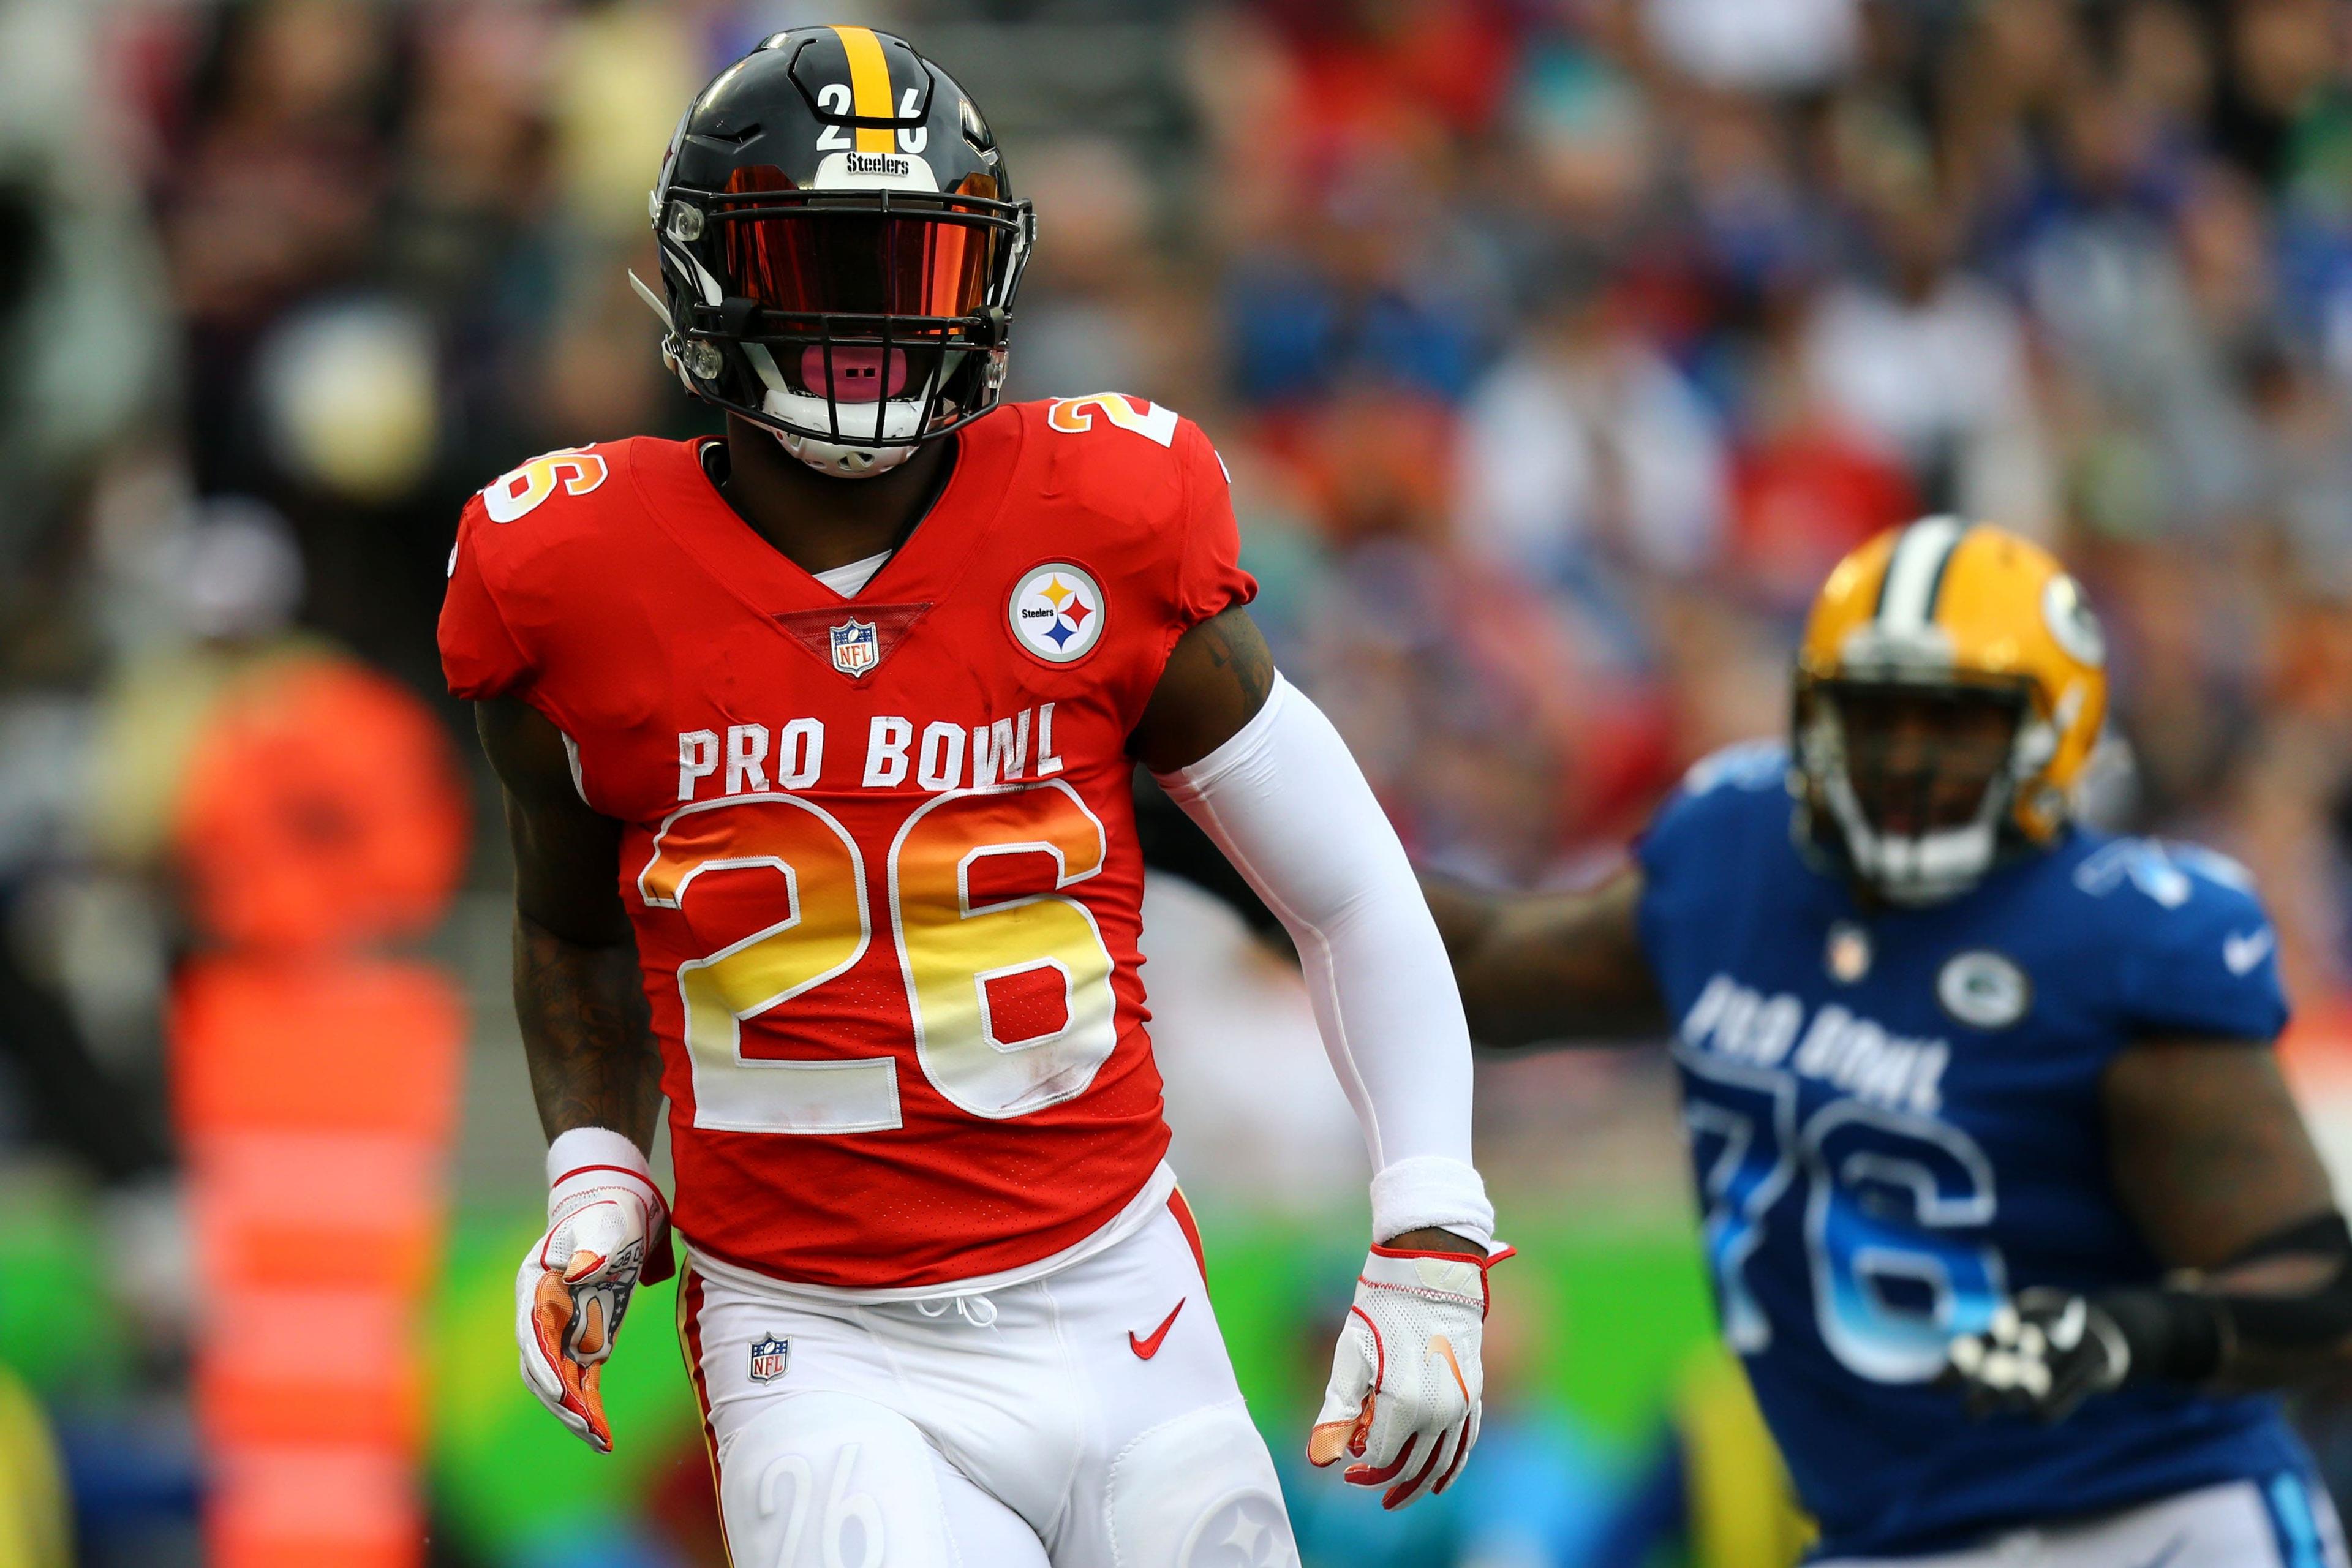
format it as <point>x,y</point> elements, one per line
<point>1568,346</point>
<point>1556,348</point>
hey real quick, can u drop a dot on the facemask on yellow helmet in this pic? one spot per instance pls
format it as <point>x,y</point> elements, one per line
<point>1948,692</point>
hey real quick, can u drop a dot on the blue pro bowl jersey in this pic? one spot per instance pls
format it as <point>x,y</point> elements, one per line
<point>1895,1119</point>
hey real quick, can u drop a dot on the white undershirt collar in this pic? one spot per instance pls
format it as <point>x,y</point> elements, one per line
<point>850,581</point>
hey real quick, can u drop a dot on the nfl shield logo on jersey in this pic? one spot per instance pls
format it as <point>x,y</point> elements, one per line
<point>768,1358</point>
<point>855,647</point>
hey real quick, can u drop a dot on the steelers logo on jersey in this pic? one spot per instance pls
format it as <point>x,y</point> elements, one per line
<point>1057,612</point>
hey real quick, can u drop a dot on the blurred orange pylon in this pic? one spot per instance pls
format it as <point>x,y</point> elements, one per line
<point>315,1086</point>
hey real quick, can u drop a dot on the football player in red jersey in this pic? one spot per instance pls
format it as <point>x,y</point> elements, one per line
<point>816,744</point>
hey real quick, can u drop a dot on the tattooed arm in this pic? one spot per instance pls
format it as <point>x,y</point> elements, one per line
<point>1217,678</point>
<point>595,1071</point>
<point>578,993</point>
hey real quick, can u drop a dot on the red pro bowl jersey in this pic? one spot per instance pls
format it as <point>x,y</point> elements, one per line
<point>879,851</point>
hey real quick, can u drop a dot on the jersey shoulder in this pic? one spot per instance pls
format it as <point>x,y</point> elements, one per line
<point>1132,460</point>
<point>1720,841</point>
<point>1738,795</point>
<point>1136,492</point>
<point>547,542</point>
<point>2177,931</point>
<point>561,506</point>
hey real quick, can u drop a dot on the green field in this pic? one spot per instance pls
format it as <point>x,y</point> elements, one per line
<point>1622,1310</point>
<point>1601,1321</point>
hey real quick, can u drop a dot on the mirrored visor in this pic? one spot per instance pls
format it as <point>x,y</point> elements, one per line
<point>813,261</point>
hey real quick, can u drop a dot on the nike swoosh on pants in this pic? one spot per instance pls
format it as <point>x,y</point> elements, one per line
<point>1145,1349</point>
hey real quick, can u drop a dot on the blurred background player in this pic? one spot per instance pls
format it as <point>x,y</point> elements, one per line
<point>821,737</point>
<point>2003,1188</point>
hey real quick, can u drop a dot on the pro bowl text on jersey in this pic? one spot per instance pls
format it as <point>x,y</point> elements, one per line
<point>939,754</point>
<point>1829,1045</point>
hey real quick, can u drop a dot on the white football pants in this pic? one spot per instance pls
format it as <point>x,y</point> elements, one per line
<point>2287,1522</point>
<point>1086,1420</point>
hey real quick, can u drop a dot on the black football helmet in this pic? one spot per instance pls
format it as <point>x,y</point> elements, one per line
<point>839,248</point>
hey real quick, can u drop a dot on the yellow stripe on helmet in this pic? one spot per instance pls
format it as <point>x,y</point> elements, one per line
<point>869,88</point>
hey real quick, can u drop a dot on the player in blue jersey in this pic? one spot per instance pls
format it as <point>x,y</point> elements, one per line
<point>2007,1205</point>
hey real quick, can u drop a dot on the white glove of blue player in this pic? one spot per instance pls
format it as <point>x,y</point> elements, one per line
<point>1406,1380</point>
<point>2042,1354</point>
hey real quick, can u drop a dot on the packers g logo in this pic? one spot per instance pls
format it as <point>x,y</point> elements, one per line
<point>1984,989</point>
<point>1057,612</point>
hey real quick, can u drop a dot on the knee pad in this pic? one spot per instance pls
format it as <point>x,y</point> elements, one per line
<point>828,1481</point>
<point>1198,1492</point>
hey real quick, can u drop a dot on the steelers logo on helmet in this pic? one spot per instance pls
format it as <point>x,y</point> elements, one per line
<point>1057,612</point>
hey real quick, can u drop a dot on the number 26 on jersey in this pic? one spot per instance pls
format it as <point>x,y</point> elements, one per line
<point>1037,958</point>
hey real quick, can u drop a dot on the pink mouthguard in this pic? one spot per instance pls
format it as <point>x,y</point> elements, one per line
<point>857,374</point>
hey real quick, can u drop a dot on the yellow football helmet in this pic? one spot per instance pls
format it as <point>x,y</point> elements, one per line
<point>1947,607</point>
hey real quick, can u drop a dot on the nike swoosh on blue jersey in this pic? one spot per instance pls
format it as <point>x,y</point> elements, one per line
<point>2242,950</point>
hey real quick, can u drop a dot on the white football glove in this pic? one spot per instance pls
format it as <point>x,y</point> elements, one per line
<point>2042,1354</point>
<point>1406,1381</point>
<point>608,1232</point>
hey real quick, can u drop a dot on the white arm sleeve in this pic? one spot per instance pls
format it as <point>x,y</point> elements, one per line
<point>1285,802</point>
